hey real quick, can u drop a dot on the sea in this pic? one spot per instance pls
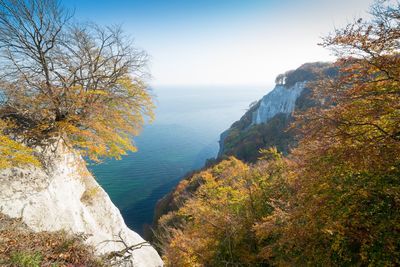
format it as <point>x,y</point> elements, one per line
<point>185,132</point>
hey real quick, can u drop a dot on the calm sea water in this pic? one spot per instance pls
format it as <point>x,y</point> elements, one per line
<point>185,133</point>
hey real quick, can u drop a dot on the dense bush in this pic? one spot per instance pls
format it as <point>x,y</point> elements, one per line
<point>335,199</point>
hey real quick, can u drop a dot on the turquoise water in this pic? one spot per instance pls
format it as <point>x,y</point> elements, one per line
<point>185,133</point>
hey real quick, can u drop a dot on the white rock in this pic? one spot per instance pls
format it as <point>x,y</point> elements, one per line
<point>65,196</point>
<point>279,100</point>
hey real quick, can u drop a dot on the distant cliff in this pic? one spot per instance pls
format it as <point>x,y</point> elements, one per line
<point>266,123</point>
<point>63,195</point>
<point>279,100</point>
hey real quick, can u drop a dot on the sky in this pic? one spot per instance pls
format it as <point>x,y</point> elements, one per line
<point>224,42</point>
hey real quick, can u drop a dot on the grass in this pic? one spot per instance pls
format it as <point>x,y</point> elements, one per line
<point>26,259</point>
<point>21,247</point>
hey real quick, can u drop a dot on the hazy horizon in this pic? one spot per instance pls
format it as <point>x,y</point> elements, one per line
<point>224,42</point>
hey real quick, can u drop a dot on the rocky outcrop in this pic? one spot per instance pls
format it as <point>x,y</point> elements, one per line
<point>63,195</point>
<point>279,100</point>
<point>266,123</point>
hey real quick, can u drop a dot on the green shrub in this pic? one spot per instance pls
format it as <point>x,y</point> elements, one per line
<point>26,259</point>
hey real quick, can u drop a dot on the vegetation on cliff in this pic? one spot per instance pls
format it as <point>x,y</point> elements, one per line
<point>59,78</point>
<point>334,200</point>
<point>65,87</point>
<point>20,246</point>
<point>13,153</point>
<point>245,138</point>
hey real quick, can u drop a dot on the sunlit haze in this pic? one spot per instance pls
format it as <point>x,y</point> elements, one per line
<point>224,42</point>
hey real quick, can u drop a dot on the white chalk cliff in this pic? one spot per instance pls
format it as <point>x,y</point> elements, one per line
<point>63,195</point>
<point>279,100</point>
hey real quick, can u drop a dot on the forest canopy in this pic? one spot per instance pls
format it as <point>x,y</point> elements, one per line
<point>61,79</point>
<point>334,200</point>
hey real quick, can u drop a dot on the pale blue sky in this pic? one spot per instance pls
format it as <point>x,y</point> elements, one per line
<point>224,42</point>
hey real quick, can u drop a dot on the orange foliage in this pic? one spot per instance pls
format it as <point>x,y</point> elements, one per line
<point>79,82</point>
<point>334,201</point>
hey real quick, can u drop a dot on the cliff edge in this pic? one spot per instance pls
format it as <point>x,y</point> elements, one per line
<point>266,123</point>
<point>63,195</point>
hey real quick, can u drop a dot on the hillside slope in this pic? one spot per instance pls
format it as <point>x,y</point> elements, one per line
<point>329,202</point>
<point>264,125</point>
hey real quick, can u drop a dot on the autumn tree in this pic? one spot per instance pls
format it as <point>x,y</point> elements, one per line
<point>334,201</point>
<point>216,226</point>
<point>348,162</point>
<point>59,78</point>
<point>13,153</point>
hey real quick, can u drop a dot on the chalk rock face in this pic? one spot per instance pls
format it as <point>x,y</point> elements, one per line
<point>63,195</point>
<point>279,100</point>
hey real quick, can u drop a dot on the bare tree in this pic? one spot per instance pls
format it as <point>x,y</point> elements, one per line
<point>61,78</point>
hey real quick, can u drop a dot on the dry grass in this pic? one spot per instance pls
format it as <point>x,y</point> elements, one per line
<point>19,246</point>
